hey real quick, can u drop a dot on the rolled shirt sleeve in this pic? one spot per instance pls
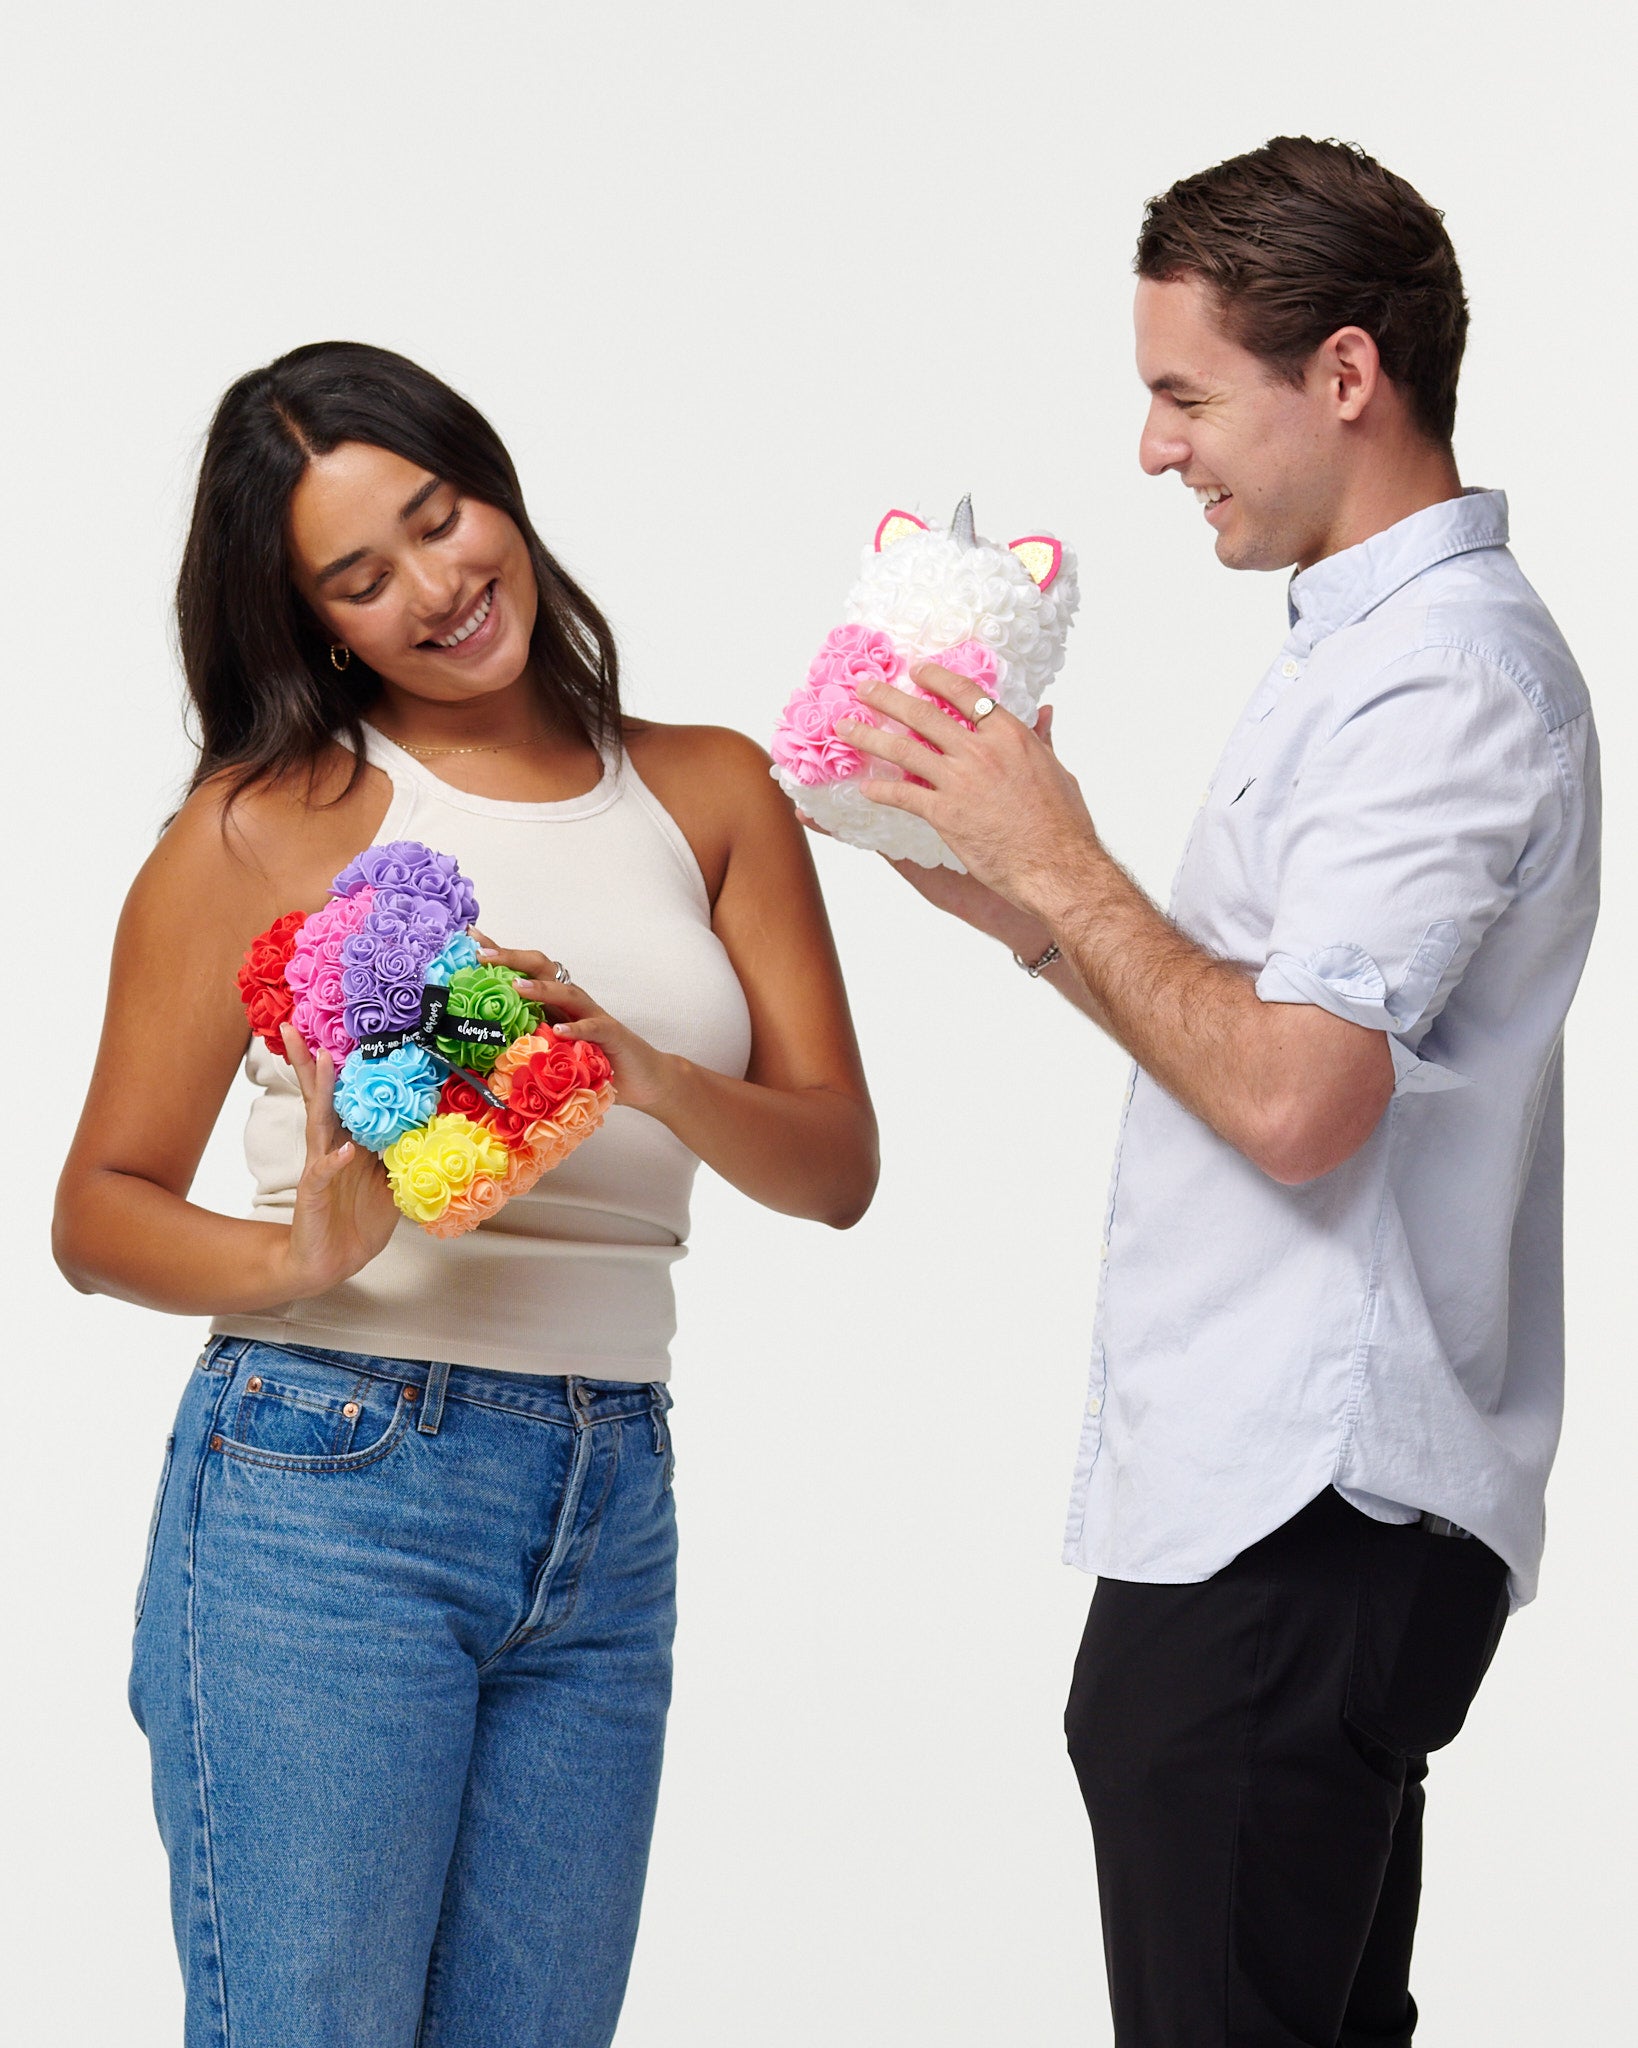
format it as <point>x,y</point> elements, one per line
<point>1409,831</point>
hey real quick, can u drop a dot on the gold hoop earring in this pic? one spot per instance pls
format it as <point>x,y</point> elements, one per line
<point>340,655</point>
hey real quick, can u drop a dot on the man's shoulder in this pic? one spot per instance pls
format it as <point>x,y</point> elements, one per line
<point>1480,607</point>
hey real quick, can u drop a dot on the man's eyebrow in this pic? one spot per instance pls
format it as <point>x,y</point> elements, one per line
<point>1172,383</point>
<point>406,511</point>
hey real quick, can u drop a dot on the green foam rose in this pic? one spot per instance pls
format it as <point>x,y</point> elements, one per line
<point>490,996</point>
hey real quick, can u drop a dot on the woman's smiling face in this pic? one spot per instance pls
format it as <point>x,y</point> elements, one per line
<point>434,590</point>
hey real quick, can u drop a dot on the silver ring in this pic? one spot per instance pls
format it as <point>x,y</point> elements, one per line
<point>561,973</point>
<point>982,709</point>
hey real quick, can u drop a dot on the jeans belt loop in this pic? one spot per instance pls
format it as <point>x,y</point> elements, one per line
<point>432,1402</point>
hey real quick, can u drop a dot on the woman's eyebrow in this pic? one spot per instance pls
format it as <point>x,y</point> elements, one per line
<point>341,562</point>
<point>406,511</point>
<point>409,511</point>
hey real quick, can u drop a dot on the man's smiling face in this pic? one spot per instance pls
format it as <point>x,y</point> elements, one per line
<point>1261,454</point>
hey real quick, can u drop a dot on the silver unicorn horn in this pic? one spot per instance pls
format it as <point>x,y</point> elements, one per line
<point>961,526</point>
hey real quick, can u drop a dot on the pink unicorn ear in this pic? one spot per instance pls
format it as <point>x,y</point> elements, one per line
<point>1040,554</point>
<point>895,525</point>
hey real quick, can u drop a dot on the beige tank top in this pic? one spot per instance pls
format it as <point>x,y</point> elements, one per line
<point>575,1276</point>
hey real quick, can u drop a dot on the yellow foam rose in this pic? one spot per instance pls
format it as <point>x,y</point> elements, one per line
<point>426,1167</point>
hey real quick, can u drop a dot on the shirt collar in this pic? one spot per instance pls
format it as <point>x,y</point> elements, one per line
<point>1344,587</point>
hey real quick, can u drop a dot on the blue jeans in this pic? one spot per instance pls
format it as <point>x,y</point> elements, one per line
<point>403,1658</point>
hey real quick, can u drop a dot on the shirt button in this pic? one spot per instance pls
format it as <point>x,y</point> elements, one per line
<point>1094,1407</point>
<point>1288,669</point>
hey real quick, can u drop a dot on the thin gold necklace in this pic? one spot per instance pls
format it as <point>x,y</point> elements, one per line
<point>430,753</point>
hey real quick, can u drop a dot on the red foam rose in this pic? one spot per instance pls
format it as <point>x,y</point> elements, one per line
<point>552,1073</point>
<point>262,988</point>
<point>460,1098</point>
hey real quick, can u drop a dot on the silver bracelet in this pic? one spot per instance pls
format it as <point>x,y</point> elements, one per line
<point>1036,967</point>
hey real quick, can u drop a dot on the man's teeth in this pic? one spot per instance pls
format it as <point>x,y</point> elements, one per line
<point>465,632</point>
<point>1208,495</point>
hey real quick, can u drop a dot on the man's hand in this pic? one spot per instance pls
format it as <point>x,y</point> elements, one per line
<point>1296,1091</point>
<point>995,793</point>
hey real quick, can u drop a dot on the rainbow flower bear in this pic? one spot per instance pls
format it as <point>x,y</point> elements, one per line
<point>999,615</point>
<point>441,1066</point>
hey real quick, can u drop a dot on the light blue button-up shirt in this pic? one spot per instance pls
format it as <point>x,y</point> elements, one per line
<point>1403,830</point>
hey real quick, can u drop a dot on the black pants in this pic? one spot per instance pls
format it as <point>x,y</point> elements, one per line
<point>1251,1751</point>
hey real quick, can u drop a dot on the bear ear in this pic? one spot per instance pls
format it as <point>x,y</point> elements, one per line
<point>1040,554</point>
<point>895,525</point>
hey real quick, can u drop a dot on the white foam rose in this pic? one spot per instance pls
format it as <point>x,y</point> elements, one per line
<point>931,592</point>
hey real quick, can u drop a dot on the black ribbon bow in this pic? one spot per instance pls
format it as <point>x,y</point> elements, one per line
<point>437,1020</point>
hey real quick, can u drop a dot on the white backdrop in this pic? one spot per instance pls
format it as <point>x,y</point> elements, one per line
<point>731,280</point>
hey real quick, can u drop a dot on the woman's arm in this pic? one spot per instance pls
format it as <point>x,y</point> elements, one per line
<point>798,1133</point>
<point>173,1034</point>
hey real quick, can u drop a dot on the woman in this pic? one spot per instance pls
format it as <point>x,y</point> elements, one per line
<point>403,1642</point>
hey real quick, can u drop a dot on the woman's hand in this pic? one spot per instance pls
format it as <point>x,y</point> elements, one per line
<point>345,1212</point>
<point>644,1077</point>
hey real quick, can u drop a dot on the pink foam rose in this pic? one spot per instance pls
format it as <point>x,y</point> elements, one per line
<point>972,659</point>
<point>853,655</point>
<point>805,744</point>
<point>313,973</point>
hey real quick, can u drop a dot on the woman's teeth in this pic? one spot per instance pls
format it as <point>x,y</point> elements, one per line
<point>1209,494</point>
<point>471,626</point>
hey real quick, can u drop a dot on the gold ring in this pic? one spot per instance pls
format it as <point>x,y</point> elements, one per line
<point>983,708</point>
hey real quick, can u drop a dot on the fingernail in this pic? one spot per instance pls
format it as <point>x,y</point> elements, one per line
<point>847,725</point>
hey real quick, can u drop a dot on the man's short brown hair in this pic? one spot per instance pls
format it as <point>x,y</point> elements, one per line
<point>1299,238</point>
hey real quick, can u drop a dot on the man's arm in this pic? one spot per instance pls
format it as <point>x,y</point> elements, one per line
<point>1293,1088</point>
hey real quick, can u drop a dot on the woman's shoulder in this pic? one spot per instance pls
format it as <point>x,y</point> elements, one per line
<point>715,783</point>
<point>277,840</point>
<point>693,749</point>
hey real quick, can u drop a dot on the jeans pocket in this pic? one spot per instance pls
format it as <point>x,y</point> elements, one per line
<point>1431,1612</point>
<point>153,1528</point>
<point>305,1416</point>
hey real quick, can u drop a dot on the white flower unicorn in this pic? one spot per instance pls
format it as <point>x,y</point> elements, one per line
<point>999,615</point>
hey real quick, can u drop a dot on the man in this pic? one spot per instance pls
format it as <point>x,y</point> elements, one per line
<point>1326,1379</point>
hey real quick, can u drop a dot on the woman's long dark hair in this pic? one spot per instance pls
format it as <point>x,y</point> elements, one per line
<point>268,698</point>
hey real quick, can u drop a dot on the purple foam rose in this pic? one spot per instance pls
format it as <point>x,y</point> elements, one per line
<point>403,1003</point>
<point>425,919</point>
<point>399,961</point>
<point>406,866</point>
<point>440,879</point>
<point>386,867</point>
<point>367,1019</point>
